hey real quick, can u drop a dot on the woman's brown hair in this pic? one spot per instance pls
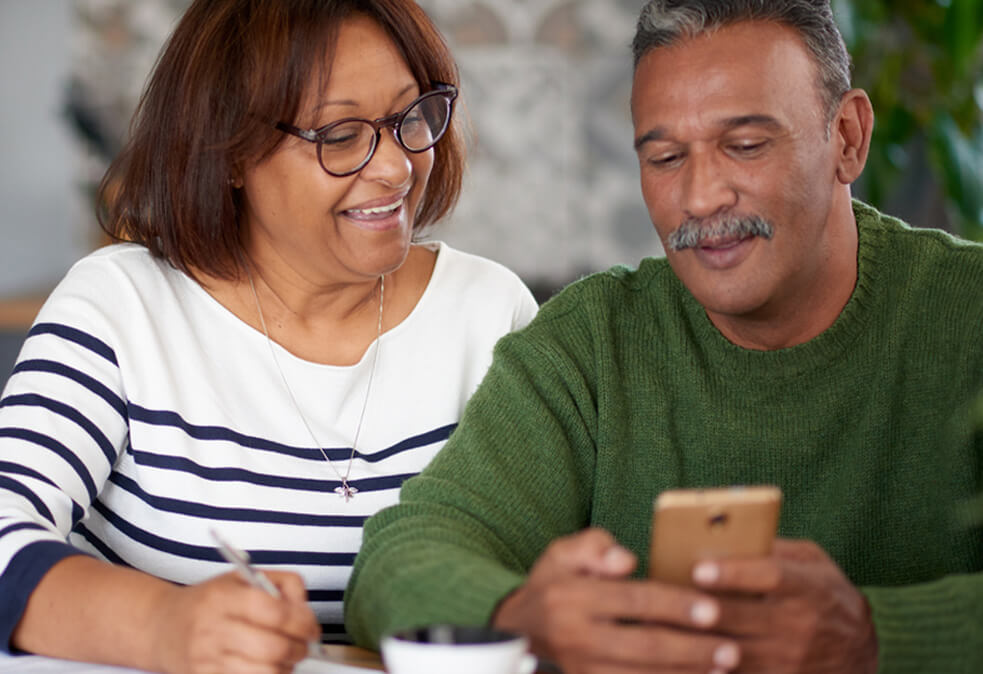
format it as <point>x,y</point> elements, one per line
<point>229,70</point>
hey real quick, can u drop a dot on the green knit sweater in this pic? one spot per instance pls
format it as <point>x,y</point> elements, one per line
<point>622,388</point>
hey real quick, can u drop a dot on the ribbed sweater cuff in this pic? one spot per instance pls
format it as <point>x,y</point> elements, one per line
<point>21,576</point>
<point>935,627</point>
<point>466,596</point>
<point>413,571</point>
<point>473,597</point>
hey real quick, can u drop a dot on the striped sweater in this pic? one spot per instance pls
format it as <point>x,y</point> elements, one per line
<point>141,414</point>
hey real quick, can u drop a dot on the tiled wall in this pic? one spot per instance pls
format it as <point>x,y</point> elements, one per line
<point>553,182</point>
<point>552,188</point>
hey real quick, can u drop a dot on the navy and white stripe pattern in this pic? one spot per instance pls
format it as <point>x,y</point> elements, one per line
<point>141,414</point>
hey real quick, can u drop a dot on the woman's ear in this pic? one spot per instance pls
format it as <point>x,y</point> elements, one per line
<point>852,129</point>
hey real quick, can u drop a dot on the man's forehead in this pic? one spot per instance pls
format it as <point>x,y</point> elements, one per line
<point>750,69</point>
<point>751,48</point>
<point>735,36</point>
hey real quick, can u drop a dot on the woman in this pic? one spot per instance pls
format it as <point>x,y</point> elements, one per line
<point>267,358</point>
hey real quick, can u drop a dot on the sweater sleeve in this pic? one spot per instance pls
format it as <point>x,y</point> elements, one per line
<point>62,422</point>
<point>931,627</point>
<point>516,474</point>
<point>936,626</point>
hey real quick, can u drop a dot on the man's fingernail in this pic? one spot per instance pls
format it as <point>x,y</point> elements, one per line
<point>706,573</point>
<point>727,656</point>
<point>617,556</point>
<point>703,613</point>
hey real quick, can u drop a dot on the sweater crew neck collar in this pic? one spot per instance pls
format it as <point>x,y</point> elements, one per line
<point>823,349</point>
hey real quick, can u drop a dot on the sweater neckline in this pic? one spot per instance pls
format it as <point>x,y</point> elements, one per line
<point>822,350</point>
<point>392,334</point>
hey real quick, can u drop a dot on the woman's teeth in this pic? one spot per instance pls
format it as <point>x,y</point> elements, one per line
<point>378,210</point>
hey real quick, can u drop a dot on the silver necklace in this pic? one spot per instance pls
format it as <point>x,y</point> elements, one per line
<point>346,491</point>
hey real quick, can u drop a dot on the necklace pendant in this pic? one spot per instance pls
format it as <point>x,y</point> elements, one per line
<point>346,491</point>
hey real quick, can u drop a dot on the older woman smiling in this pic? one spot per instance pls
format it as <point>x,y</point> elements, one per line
<point>268,353</point>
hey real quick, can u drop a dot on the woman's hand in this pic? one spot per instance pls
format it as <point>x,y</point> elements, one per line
<point>226,625</point>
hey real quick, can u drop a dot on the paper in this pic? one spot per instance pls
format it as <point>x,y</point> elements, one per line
<point>312,666</point>
<point>36,664</point>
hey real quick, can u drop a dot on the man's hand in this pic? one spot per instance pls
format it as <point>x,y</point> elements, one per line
<point>792,612</point>
<point>580,611</point>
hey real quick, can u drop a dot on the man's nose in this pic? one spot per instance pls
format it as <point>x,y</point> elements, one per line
<point>707,188</point>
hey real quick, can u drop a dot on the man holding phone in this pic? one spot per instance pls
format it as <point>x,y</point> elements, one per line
<point>792,336</point>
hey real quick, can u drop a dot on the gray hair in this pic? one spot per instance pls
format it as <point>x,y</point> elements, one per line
<point>665,22</point>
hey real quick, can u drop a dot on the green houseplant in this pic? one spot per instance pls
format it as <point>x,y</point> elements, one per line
<point>921,61</point>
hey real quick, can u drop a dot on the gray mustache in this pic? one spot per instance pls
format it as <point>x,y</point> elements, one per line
<point>695,230</point>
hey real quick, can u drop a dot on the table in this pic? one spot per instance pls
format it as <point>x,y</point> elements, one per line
<point>353,656</point>
<point>335,660</point>
<point>17,313</point>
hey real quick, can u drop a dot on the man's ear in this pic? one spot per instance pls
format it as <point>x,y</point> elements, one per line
<point>851,130</point>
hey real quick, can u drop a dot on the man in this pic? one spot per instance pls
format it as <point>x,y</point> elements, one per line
<point>792,336</point>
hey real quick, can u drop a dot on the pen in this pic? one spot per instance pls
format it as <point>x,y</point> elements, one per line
<point>256,578</point>
<point>240,559</point>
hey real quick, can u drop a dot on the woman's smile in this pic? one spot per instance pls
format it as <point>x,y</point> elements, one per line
<point>389,214</point>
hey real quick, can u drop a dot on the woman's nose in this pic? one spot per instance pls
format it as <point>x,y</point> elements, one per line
<point>390,163</point>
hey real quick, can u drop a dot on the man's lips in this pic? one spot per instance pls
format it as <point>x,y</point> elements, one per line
<point>723,242</point>
<point>724,252</point>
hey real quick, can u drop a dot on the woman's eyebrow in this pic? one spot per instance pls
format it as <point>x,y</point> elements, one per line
<point>352,103</point>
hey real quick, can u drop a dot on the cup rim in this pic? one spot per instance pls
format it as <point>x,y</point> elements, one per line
<point>462,635</point>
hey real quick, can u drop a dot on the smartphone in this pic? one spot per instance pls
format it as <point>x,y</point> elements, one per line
<point>691,525</point>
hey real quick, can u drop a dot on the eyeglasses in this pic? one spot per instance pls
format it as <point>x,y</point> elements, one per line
<point>344,147</point>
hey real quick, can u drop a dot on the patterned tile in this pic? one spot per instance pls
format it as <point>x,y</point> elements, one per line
<point>552,189</point>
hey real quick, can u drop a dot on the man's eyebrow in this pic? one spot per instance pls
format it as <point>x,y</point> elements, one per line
<point>751,120</point>
<point>650,136</point>
<point>659,132</point>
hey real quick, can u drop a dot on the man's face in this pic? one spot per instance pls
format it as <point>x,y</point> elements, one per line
<point>731,135</point>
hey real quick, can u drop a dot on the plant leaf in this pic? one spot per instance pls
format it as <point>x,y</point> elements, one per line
<point>961,161</point>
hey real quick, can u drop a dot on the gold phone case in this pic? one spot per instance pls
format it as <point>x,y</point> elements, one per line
<point>690,525</point>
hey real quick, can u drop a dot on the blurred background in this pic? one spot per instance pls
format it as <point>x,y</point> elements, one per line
<point>552,188</point>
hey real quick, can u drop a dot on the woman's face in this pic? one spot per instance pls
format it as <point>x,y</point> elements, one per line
<point>341,230</point>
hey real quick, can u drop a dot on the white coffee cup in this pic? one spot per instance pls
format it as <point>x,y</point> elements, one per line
<point>455,649</point>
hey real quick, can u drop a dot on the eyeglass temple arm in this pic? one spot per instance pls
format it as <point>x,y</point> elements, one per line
<point>306,134</point>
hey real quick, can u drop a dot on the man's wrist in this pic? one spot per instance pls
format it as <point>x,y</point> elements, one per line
<point>502,615</point>
<point>868,649</point>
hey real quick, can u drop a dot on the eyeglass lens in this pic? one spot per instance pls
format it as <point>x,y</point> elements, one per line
<point>347,146</point>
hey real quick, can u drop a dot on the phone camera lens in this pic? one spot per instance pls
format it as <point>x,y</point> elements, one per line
<point>718,520</point>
